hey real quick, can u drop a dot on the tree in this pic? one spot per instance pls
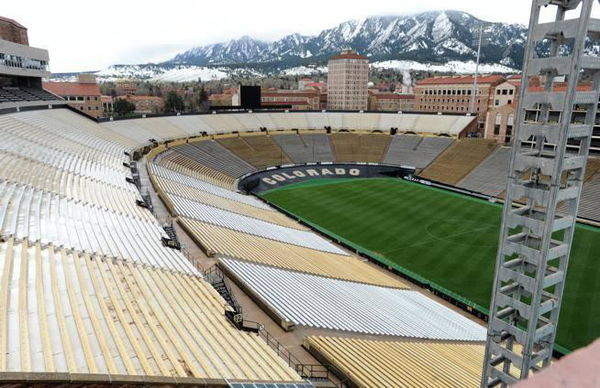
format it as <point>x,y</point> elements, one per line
<point>174,103</point>
<point>123,107</point>
<point>203,103</point>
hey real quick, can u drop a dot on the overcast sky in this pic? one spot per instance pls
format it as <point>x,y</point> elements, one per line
<point>85,35</point>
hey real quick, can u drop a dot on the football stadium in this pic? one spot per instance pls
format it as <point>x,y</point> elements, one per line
<point>261,248</point>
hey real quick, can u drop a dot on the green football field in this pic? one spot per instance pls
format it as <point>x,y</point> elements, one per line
<point>446,238</point>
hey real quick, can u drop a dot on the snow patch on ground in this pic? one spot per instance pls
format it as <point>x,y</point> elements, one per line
<point>191,74</point>
<point>303,70</point>
<point>162,74</point>
<point>457,67</point>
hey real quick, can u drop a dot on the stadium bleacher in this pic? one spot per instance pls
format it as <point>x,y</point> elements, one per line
<point>121,303</point>
<point>589,206</point>
<point>352,147</point>
<point>199,184</point>
<point>257,149</point>
<point>286,121</point>
<point>48,178</point>
<point>491,176</point>
<point>182,164</point>
<point>305,148</point>
<point>89,289</point>
<point>314,301</point>
<point>12,94</point>
<point>222,202</point>
<point>415,151</point>
<point>76,313</point>
<point>319,146</point>
<point>210,153</point>
<point>397,363</point>
<point>459,159</point>
<point>227,242</point>
<point>249,225</point>
<point>28,213</point>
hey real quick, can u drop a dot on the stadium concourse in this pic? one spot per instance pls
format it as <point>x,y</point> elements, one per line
<point>92,290</point>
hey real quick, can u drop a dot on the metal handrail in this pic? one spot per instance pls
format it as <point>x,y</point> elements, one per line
<point>308,371</point>
<point>214,273</point>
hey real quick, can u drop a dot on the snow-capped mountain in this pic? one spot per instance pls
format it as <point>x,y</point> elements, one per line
<point>441,41</point>
<point>430,37</point>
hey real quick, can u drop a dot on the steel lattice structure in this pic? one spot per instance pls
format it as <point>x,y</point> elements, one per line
<point>550,150</point>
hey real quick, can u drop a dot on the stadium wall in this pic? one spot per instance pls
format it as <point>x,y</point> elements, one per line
<point>277,177</point>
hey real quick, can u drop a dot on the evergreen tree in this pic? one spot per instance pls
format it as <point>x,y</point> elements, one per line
<point>203,103</point>
<point>174,103</point>
<point>123,107</point>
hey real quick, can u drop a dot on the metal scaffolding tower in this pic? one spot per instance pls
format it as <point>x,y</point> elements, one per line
<point>549,156</point>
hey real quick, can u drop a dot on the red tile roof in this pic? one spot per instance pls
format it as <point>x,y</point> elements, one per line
<point>267,103</point>
<point>291,94</point>
<point>562,87</point>
<point>394,96</point>
<point>459,80</point>
<point>142,98</point>
<point>72,89</point>
<point>12,21</point>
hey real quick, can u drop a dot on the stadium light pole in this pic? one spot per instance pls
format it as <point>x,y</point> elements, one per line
<point>536,239</point>
<point>474,90</point>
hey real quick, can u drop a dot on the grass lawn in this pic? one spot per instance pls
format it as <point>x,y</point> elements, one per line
<point>447,238</point>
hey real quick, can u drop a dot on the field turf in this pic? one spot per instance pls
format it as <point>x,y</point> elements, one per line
<point>447,238</point>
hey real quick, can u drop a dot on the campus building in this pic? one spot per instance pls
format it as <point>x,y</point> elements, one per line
<point>347,81</point>
<point>391,102</point>
<point>13,31</point>
<point>454,94</point>
<point>83,95</point>
<point>298,99</point>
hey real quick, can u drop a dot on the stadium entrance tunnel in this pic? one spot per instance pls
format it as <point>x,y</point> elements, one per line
<point>275,177</point>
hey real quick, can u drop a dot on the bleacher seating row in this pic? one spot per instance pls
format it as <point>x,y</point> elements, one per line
<point>88,288</point>
<point>181,190</point>
<point>35,215</point>
<point>459,159</point>
<point>45,177</point>
<point>228,242</point>
<point>314,301</point>
<point>306,148</point>
<point>258,150</point>
<point>245,224</point>
<point>351,147</point>
<point>13,94</point>
<point>199,184</point>
<point>212,154</point>
<point>415,151</point>
<point>381,363</point>
<point>83,315</point>
<point>182,126</point>
<point>184,165</point>
<point>589,205</point>
<point>491,176</point>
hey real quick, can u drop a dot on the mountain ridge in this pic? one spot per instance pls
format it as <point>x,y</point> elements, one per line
<point>433,36</point>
